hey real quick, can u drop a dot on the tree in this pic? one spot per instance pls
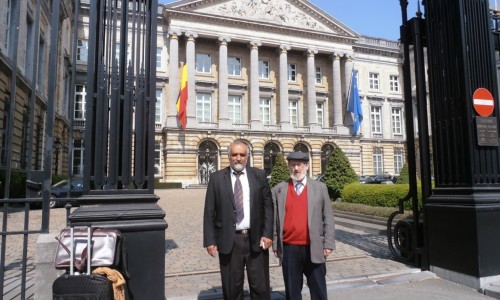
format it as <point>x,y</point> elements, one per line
<point>280,171</point>
<point>338,173</point>
<point>404,176</point>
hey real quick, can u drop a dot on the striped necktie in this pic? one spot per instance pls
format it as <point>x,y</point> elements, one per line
<point>238,198</point>
<point>298,187</point>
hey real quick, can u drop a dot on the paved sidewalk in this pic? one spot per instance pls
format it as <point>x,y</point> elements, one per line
<point>362,266</point>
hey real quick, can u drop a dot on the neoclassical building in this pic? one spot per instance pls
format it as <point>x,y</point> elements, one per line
<point>275,75</point>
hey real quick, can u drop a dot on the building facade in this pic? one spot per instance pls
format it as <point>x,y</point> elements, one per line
<point>275,75</point>
<point>35,86</point>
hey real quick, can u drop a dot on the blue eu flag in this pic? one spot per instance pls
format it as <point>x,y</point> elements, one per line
<point>354,103</point>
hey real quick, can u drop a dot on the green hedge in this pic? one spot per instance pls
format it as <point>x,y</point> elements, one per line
<point>167,185</point>
<point>383,195</point>
<point>17,184</point>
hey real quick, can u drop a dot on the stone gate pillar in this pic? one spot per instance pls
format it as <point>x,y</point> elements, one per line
<point>463,211</point>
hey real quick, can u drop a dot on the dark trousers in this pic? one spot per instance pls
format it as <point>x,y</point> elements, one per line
<point>232,268</point>
<point>296,263</point>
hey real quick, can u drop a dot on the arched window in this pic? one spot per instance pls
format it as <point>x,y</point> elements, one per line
<point>208,160</point>
<point>301,147</point>
<point>326,152</point>
<point>271,151</point>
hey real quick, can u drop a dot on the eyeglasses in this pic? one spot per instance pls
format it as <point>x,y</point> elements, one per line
<point>292,165</point>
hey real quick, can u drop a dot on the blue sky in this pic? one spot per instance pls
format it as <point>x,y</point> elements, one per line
<point>376,18</point>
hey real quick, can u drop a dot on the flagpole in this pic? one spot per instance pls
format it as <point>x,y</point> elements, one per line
<point>349,93</point>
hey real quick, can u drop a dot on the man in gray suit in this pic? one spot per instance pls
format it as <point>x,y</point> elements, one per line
<point>304,232</point>
<point>238,225</point>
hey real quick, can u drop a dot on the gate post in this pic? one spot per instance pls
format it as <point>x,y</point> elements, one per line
<point>463,212</point>
<point>120,138</point>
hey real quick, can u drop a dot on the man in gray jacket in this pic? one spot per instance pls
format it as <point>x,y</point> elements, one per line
<point>304,231</point>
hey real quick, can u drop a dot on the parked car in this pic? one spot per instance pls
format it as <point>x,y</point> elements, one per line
<point>366,178</point>
<point>319,177</point>
<point>381,179</point>
<point>59,192</point>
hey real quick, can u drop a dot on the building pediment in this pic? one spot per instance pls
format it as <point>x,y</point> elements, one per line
<point>299,14</point>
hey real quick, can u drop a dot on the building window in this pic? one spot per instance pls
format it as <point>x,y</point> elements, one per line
<point>82,51</point>
<point>158,57</point>
<point>292,72</point>
<point>376,118</point>
<point>203,63</point>
<point>203,107</point>
<point>6,113</point>
<point>117,54</point>
<point>158,106</point>
<point>394,83</point>
<point>263,69</point>
<point>78,157</point>
<point>234,66</point>
<point>234,109</point>
<point>30,48</point>
<point>374,82</point>
<point>319,76</point>
<point>265,110</point>
<point>396,120</point>
<point>293,109</point>
<point>80,95</point>
<point>377,161</point>
<point>41,64</point>
<point>9,20</point>
<point>398,160</point>
<point>320,113</point>
<point>157,158</point>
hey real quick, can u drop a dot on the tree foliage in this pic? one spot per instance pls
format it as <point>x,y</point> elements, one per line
<point>280,171</point>
<point>404,176</point>
<point>339,172</point>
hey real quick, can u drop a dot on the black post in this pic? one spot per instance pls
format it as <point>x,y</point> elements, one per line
<point>463,212</point>
<point>119,138</point>
<point>57,149</point>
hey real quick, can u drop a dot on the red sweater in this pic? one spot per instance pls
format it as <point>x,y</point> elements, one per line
<point>295,228</point>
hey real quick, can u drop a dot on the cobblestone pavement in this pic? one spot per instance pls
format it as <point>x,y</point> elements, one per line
<point>17,221</point>
<point>192,274</point>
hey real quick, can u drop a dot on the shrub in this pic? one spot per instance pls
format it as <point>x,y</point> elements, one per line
<point>338,173</point>
<point>57,178</point>
<point>17,184</point>
<point>404,176</point>
<point>384,195</point>
<point>280,171</point>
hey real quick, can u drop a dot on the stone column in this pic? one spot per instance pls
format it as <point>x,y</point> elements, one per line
<point>255,121</point>
<point>337,91</point>
<point>174,84</point>
<point>283,89</point>
<point>347,75</point>
<point>223,84</point>
<point>312,118</point>
<point>191,62</point>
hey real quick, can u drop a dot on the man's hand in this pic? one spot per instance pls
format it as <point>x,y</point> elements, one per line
<point>212,250</point>
<point>326,252</point>
<point>265,243</point>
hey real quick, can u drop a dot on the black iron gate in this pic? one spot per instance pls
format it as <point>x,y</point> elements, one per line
<point>27,139</point>
<point>406,237</point>
<point>36,116</point>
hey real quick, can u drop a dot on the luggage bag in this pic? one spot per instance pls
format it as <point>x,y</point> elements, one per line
<point>82,286</point>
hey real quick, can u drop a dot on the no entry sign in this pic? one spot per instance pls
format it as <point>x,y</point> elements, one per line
<point>483,102</point>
